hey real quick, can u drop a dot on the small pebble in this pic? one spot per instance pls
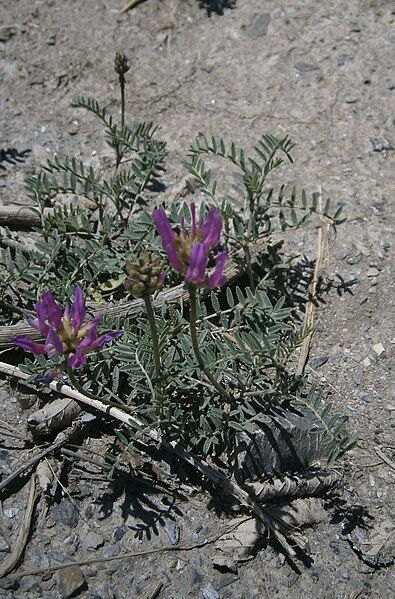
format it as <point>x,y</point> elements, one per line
<point>93,541</point>
<point>10,512</point>
<point>372,272</point>
<point>378,348</point>
<point>209,592</point>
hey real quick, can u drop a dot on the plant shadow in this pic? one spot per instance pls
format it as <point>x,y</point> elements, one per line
<point>12,156</point>
<point>216,6</point>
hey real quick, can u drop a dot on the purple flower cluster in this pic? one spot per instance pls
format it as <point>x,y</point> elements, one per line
<point>188,252</point>
<point>64,330</point>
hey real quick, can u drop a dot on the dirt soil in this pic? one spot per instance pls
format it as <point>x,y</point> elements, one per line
<point>321,72</point>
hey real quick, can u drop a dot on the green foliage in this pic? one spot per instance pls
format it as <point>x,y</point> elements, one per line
<point>247,333</point>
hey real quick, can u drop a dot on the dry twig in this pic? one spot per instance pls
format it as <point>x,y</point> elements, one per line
<point>322,242</point>
<point>23,534</point>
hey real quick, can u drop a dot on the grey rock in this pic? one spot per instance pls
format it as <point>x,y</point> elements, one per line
<point>93,541</point>
<point>65,513</point>
<point>29,584</point>
<point>260,26</point>
<point>319,361</point>
<point>59,557</point>
<point>119,533</point>
<point>111,551</point>
<point>226,580</point>
<point>380,145</point>
<point>305,67</point>
<point>71,581</point>
<point>173,531</point>
<point>10,512</point>
<point>209,592</point>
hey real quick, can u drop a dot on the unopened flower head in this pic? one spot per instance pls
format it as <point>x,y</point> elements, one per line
<point>65,331</point>
<point>189,251</point>
<point>146,274</point>
<point>121,64</point>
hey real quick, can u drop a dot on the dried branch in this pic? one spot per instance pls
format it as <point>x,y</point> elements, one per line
<point>23,534</point>
<point>322,242</point>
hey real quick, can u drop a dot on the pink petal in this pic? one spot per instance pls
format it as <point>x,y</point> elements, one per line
<point>39,322</point>
<point>53,344</point>
<point>211,229</point>
<point>53,311</point>
<point>168,237</point>
<point>104,339</point>
<point>218,278</point>
<point>29,345</point>
<point>78,310</point>
<point>76,360</point>
<point>196,272</point>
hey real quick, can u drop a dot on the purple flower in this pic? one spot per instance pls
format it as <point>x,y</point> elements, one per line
<point>189,252</point>
<point>64,330</point>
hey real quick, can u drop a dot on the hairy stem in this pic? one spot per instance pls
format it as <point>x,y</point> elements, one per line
<point>195,344</point>
<point>154,335</point>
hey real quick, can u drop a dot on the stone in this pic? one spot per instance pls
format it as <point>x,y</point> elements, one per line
<point>65,513</point>
<point>380,145</point>
<point>172,530</point>
<point>260,26</point>
<point>111,551</point>
<point>120,532</point>
<point>70,581</point>
<point>319,361</point>
<point>372,272</point>
<point>59,557</point>
<point>378,348</point>
<point>226,580</point>
<point>30,584</point>
<point>305,67</point>
<point>209,592</point>
<point>93,541</point>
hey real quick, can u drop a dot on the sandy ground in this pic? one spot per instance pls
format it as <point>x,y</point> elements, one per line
<point>321,72</point>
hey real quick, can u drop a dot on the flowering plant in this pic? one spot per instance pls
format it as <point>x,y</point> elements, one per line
<point>201,362</point>
<point>189,252</point>
<point>65,331</point>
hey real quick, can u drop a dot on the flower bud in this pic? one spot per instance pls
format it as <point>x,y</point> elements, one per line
<point>145,274</point>
<point>121,64</point>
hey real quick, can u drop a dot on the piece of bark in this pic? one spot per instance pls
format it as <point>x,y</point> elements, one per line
<point>234,269</point>
<point>53,416</point>
<point>20,216</point>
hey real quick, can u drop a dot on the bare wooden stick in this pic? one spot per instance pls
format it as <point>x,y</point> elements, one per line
<point>234,268</point>
<point>20,216</point>
<point>131,4</point>
<point>23,534</point>
<point>214,475</point>
<point>323,233</point>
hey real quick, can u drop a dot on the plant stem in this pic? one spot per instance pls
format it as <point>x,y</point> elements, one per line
<point>122,84</point>
<point>195,344</point>
<point>76,384</point>
<point>247,246</point>
<point>249,267</point>
<point>154,335</point>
